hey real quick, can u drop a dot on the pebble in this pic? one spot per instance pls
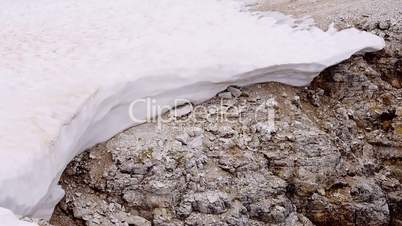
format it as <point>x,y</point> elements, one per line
<point>197,131</point>
<point>272,103</point>
<point>196,142</point>
<point>235,91</point>
<point>225,95</point>
<point>137,221</point>
<point>385,25</point>
<point>296,101</point>
<point>183,138</point>
<point>182,110</point>
<point>372,87</point>
<point>338,77</point>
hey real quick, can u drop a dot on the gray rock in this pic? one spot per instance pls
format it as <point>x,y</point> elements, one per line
<point>338,77</point>
<point>137,221</point>
<point>296,101</point>
<point>196,142</point>
<point>183,138</point>
<point>211,202</point>
<point>225,95</point>
<point>182,110</point>
<point>234,91</point>
<point>384,25</point>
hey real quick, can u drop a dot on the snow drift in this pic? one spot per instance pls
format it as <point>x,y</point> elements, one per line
<point>69,70</point>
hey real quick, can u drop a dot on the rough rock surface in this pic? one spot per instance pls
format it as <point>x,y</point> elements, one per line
<point>332,157</point>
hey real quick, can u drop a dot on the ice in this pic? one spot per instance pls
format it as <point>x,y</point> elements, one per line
<point>69,70</point>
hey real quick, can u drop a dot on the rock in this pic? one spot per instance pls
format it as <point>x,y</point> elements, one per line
<point>296,101</point>
<point>384,25</point>
<point>196,142</point>
<point>315,100</point>
<point>372,87</point>
<point>196,131</point>
<point>183,138</point>
<point>225,95</point>
<point>226,131</point>
<point>133,198</point>
<point>268,211</point>
<point>234,91</point>
<point>266,129</point>
<point>211,202</point>
<point>133,168</point>
<point>182,110</point>
<point>271,103</point>
<point>338,77</point>
<point>185,208</point>
<point>137,221</point>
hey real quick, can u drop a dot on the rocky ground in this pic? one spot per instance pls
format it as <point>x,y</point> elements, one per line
<point>344,13</point>
<point>332,157</point>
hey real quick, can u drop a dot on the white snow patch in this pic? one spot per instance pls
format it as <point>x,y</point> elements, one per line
<point>7,218</point>
<point>69,69</point>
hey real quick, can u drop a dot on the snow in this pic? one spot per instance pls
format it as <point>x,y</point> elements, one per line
<point>69,70</point>
<point>7,218</point>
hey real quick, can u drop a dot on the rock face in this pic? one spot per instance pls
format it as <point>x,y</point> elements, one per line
<point>331,156</point>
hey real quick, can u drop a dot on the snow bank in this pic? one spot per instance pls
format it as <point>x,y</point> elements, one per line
<point>69,69</point>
